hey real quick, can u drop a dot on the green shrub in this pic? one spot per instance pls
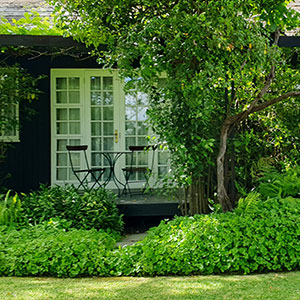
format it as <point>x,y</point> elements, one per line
<point>280,184</point>
<point>11,213</point>
<point>93,209</point>
<point>259,236</point>
<point>245,241</point>
<point>40,251</point>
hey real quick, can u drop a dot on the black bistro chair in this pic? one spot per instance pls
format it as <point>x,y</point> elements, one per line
<point>96,173</point>
<point>135,169</point>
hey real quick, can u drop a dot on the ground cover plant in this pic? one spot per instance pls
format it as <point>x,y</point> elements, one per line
<point>94,209</point>
<point>45,250</point>
<point>261,235</point>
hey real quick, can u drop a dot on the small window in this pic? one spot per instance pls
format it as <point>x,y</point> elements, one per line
<point>9,123</point>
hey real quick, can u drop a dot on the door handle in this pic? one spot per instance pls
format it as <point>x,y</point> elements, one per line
<point>116,136</point>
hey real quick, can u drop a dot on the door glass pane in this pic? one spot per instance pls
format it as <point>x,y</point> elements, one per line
<point>142,113</point>
<point>61,97</point>
<point>130,141</point>
<point>142,129</point>
<point>62,128</point>
<point>96,113</point>
<point>75,159</point>
<point>95,83</point>
<point>61,83</point>
<point>96,98</point>
<point>61,159</point>
<point>108,98</point>
<point>62,114</point>
<point>108,113</point>
<point>74,128</point>
<point>130,98</point>
<point>74,142</point>
<point>130,128</point>
<point>74,83</point>
<point>96,128</point>
<point>71,175</point>
<point>130,113</point>
<point>96,159</point>
<point>143,158</point>
<point>162,170</point>
<point>62,174</point>
<point>107,83</point>
<point>163,157</point>
<point>74,97</point>
<point>108,128</point>
<point>142,141</point>
<point>142,99</point>
<point>74,114</point>
<point>108,144</point>
<point>96,144</point>
<point>61,145</point>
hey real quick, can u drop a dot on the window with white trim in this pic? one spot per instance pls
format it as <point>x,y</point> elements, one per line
<point>9,122</point>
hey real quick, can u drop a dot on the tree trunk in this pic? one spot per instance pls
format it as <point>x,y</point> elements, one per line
<point>222,193</point>
<point>196,197</point>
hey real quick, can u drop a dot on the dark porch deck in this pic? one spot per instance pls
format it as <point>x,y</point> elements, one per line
<point>145,205</point>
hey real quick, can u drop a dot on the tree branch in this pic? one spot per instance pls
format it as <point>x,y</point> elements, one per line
<point>275,100</point>
<point>267,85</point>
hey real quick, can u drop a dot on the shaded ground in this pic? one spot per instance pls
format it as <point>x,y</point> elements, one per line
<point>131,239</point>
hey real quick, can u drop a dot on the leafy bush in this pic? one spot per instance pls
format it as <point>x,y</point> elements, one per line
<point>94,209</point>
<point>54,252</point>
<point>11,213</point>
<point>259,236</point>
<point>280,184</point>
<point>245,241</point>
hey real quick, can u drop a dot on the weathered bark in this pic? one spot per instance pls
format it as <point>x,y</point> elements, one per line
<point>228,124</point>
<point>196,198</point>
<point>222,193</point>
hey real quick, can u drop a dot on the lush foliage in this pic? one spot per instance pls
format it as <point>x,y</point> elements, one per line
<point>10,210</point>
<point>94,209</point>
<point>219,63</point>
<point>49,251</point>
<point>269,139</point>
<point>32,24</point>
<point>260,235</point>
<point>246,241</point>
<point>280,184</point>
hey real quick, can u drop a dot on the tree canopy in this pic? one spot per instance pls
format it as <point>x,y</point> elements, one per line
<point>221,62</point>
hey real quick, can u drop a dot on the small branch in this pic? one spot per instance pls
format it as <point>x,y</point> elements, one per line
<point>275,100</point>
<point>267,85</point>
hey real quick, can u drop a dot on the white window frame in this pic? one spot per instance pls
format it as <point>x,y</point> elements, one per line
<point>11,138</point>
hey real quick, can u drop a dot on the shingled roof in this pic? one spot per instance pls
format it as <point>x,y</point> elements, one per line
<point>15,9</point>
<point>295,5</point>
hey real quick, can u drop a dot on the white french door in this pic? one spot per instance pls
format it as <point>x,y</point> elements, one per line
<point>85,110</point>
<point>89,107</point>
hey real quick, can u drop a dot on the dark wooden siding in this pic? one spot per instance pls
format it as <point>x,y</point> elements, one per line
<point>28,162</point>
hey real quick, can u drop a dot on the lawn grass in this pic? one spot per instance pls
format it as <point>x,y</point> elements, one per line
<point>266,286</point>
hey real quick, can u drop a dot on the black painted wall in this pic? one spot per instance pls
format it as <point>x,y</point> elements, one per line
<point>28,162</point>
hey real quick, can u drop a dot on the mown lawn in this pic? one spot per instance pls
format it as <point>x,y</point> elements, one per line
<point>267,286</point>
